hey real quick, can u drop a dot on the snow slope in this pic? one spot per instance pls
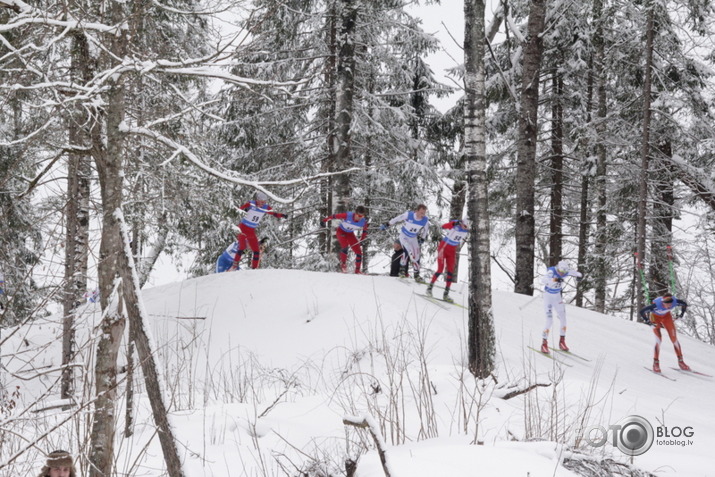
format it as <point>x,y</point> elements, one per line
<point>263,365</point>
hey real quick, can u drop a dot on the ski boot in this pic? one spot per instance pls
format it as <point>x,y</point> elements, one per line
<point>446,297</point>
<point>562,344</point>
<point>682,365</point>
<point>545,346</point>
<point>656,366</point>
<point>419,279</point>
<point>429,289</point>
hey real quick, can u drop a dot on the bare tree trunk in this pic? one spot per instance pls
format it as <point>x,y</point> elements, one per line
<point>76,213</point>
<point>526,150</point>
<point>116,261</point>
<point>600,263</point>
<point>108,159</point>
<point>138,319</point>
<point>345,91</point>
<point>481,321</point>
<point>556,219</point>
<point>328,165</point>
<point>645,151</point>
<point>585,206</point>
<point>662,221</point>
<point>110,172</point>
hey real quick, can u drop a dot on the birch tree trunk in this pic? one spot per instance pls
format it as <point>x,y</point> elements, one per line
<point>645,152</point>
<point>481,321</point>
<point>526,149</point>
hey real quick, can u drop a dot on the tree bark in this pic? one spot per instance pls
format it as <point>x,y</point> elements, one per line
<point>137,317</point>
<point>663,211</point>
<point>481,345</point>
<point>556,219</point>
<point>76,213</point>
<point>328,165</point>
<point>645,152</point>
<point>108,159</point>
<point>600,263</point>
<point>585,206</point>
<point>526,149</point>
<point>344,104</point>
<point>110,172</point>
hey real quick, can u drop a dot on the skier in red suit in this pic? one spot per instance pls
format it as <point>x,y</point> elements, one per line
<point>255,210</point>
<point>457,231</point>
<point>659,316</point>
<point>350,223</point>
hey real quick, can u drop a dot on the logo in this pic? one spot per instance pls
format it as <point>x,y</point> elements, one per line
<point>633,435</point>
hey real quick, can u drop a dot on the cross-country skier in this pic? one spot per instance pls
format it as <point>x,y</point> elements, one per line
<point>255,210</point>
<point>457,231</point>
<point>553,301</point>
<point>350,223</point>
<point>413,232</point>
<point>658,315</point>
<point>226,259</point>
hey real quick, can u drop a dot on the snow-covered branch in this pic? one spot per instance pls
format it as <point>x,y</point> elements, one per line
<point>696,179</point>
<point>226,175</point>
<point>372,426</point>
<point>68,24</point>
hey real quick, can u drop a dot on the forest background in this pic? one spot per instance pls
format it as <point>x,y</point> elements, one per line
<point>145,124</point>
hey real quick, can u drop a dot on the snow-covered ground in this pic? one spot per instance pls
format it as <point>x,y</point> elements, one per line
<point>262,367</point>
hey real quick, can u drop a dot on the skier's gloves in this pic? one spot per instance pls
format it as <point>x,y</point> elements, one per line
<point>384,226</point>
<point>420,240</point>
<point>282,216</point>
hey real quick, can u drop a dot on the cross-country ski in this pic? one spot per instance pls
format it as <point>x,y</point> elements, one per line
<point>658,373</point>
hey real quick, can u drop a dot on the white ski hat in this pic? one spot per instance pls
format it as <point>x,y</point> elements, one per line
<point>465,222</point>
<point>261,196</point>
<point>563,266</point>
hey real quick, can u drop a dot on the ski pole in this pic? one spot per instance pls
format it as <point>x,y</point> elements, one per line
<point>644,283</point>
<point>672,270</point>
<point>533,298</point>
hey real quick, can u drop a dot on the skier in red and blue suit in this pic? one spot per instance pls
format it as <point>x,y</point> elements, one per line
<point>255,210</point>
<point>350,223</point>
<point>659,316</point>
<point>457,231</point>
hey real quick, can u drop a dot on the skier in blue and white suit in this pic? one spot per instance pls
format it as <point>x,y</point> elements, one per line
<point>414,231</point>
<point>553,301</point>
<point>225,260</point>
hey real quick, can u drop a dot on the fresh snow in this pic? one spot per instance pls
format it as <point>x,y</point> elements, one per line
<point>264,365</point>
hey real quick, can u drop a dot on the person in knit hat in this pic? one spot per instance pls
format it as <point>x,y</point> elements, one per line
<point>59,464</point>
